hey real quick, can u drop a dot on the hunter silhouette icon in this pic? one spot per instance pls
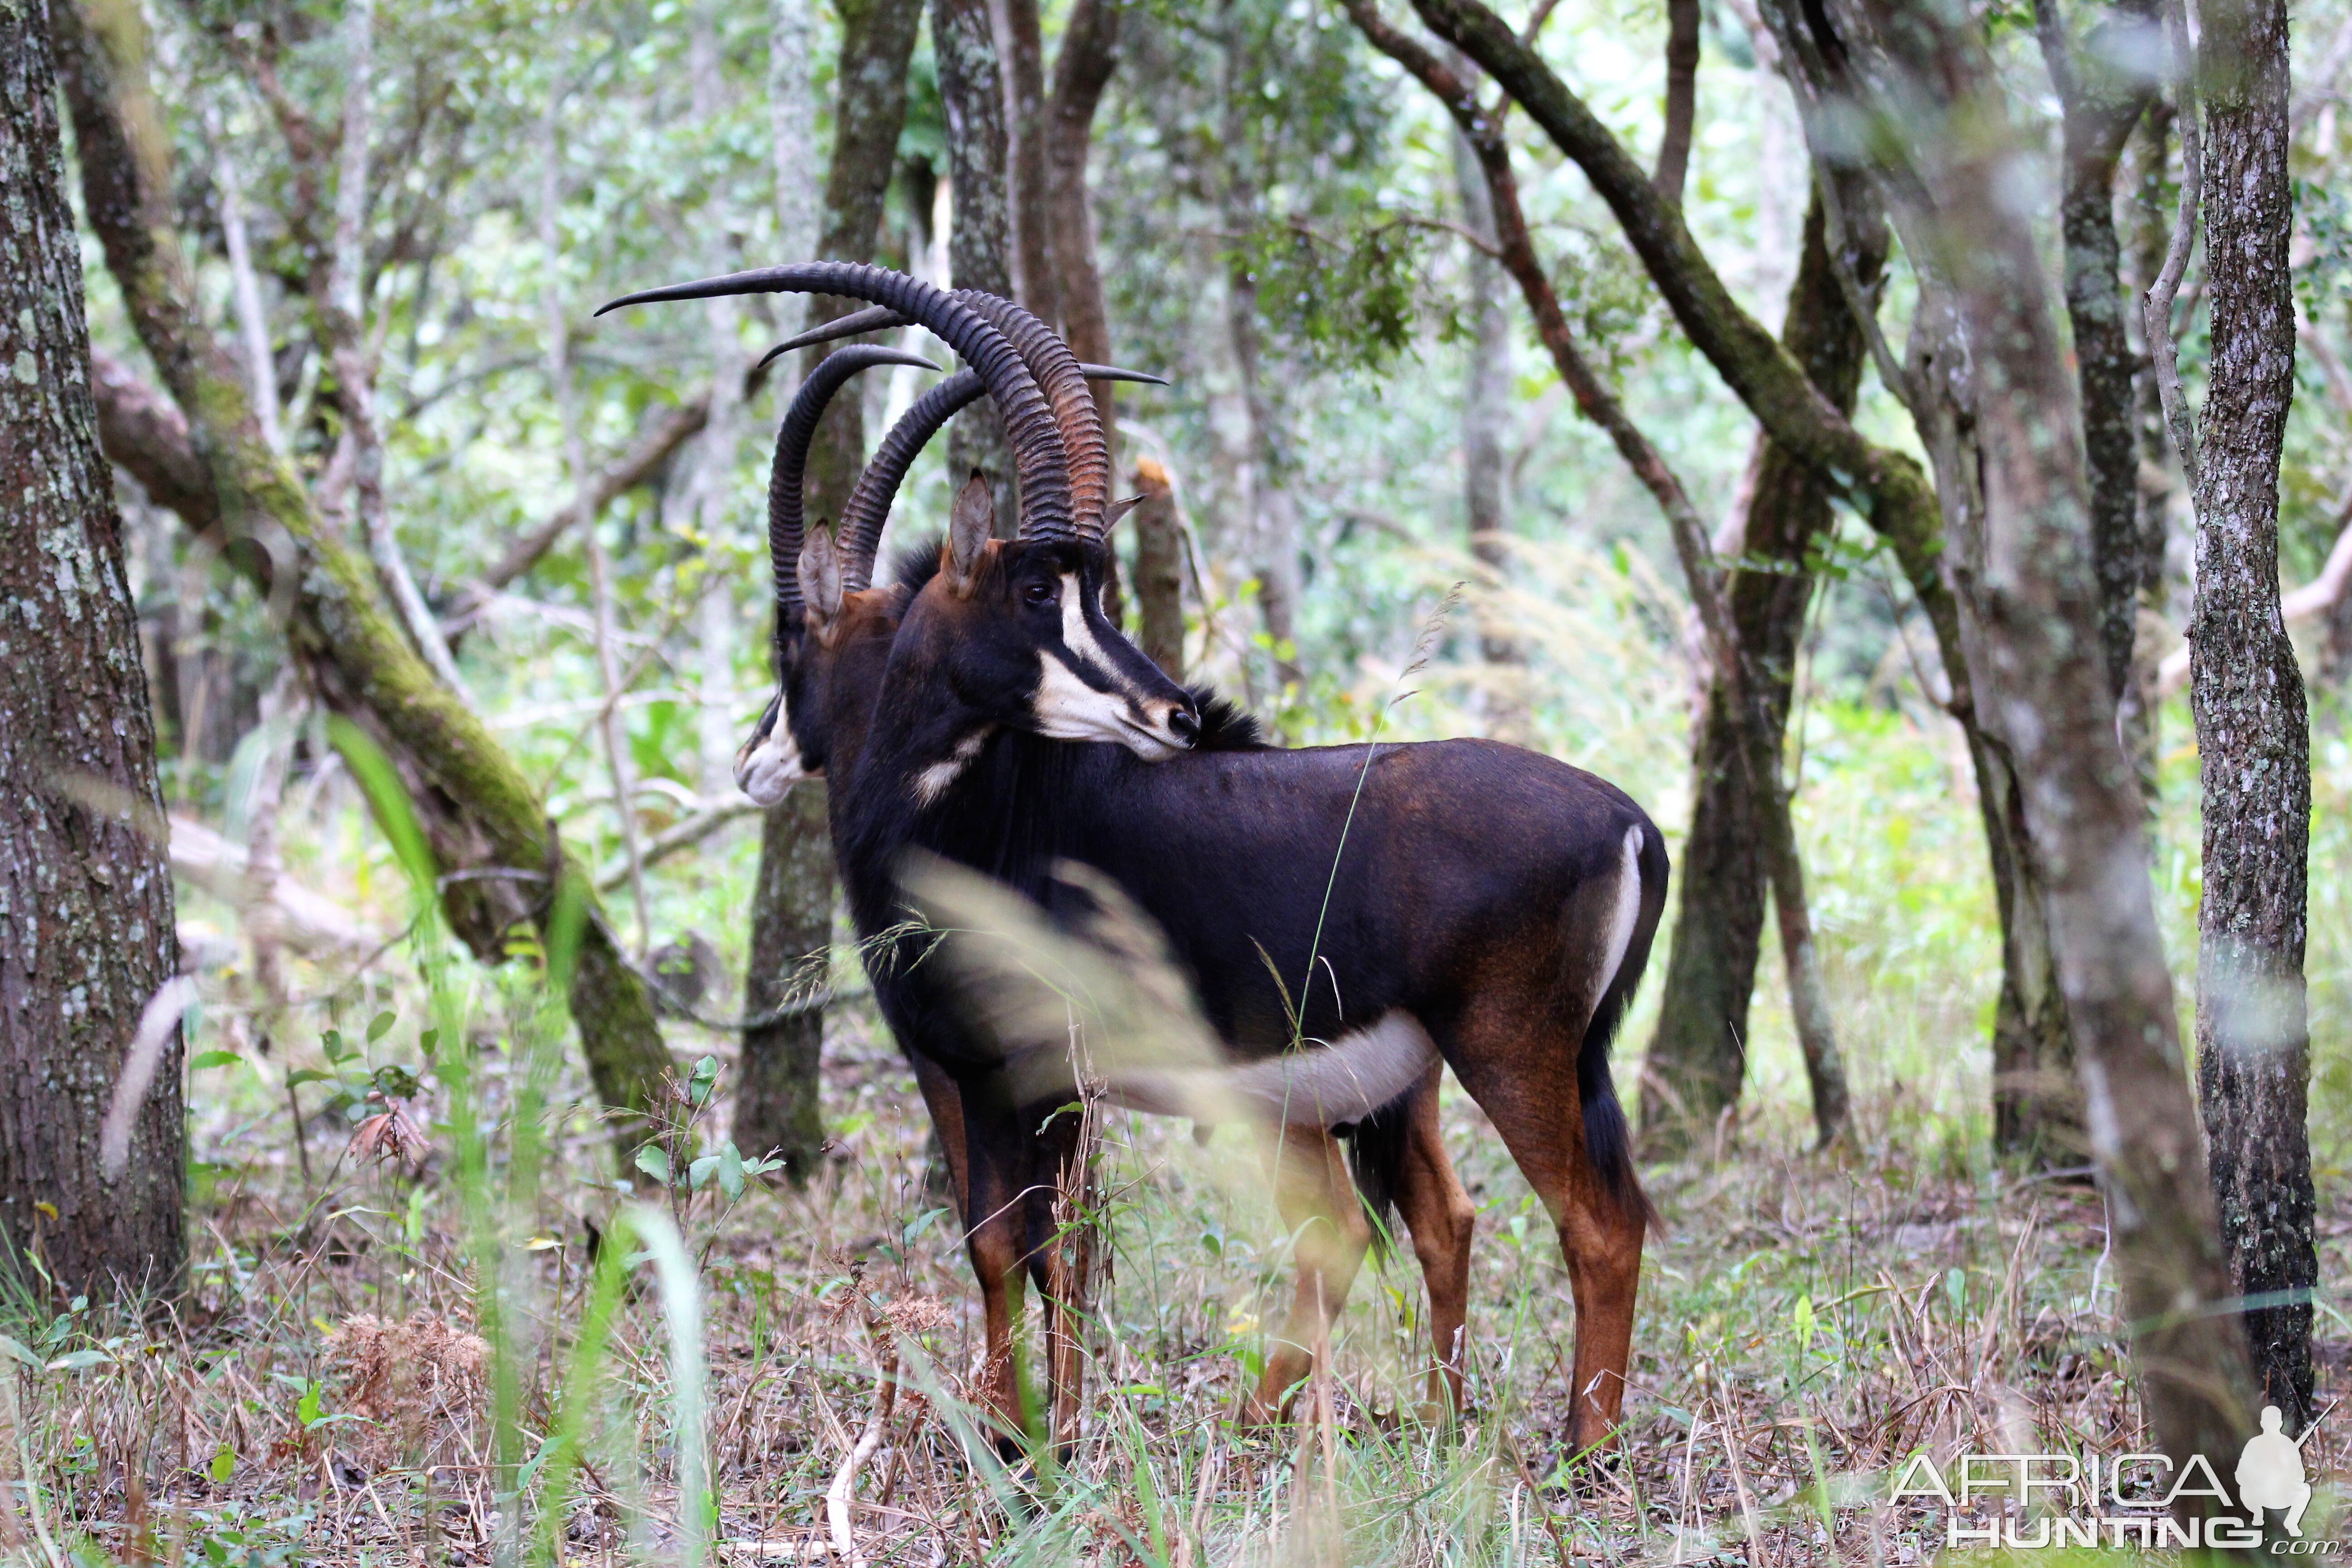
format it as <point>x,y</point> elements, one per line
<point>2270,1474</point>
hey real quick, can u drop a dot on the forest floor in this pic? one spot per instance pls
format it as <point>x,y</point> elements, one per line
<point>326,1391</point>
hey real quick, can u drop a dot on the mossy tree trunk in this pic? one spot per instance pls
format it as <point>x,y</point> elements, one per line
<point>478,809</point>
<point>1698,1060</point>
<point>1887,487</point>
<point>2023,568</point>
<point>86,916</point>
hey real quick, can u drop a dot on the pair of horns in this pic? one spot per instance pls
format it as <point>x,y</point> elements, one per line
<point>860,536</point>
<point>1059,450</point>
<point>1015,355</point>
<point>869,505</point>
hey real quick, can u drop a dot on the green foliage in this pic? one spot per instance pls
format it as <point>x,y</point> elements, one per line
<point>1351,302</point>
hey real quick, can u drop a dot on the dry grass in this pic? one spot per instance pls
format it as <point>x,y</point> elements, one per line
<point>346,1381</point>
<point>320,1394</point>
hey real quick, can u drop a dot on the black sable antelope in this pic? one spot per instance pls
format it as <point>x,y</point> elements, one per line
<point>1456,902</point>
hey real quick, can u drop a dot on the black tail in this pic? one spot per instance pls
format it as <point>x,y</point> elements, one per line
<point>1376,1148</point>
<point>1607,1142</point>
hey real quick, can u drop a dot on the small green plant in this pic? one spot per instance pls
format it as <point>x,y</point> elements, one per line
<point>669,1157</point>
<point>355,1089</point>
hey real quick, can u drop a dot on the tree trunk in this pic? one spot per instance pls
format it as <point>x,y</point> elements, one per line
<point>2253,1041</point>
<point>1698,1059</point>
<point>1089,55</point>
<point>476,808</point>
<point>877,38</point>
<point>1486,403</point>
<point>1035,278</point>
<point>1682,19</point>
<point>776,1096</point>
<point>1809,1001</point>
<point>1268,526</point>
<point>2151,231</point>
<point>1885,485</point>
<point>2101,104</point>
<point>1160,570</point>
<point>979,245</point>
<point>2023,572</point>
<point>86,917</point>
<point>792,124</point>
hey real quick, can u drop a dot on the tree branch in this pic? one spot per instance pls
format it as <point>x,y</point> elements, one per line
<point>476,808</point>
<point>144,433</point>
<point>1597,401</point>
<point>656,444</point>
<point>1682,98</point>
<point>1888,487</point>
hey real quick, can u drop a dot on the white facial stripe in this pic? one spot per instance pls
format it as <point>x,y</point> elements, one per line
<point>1622,917</point>
<point>1319,1085</point>
<point>1068,709</point>
<point>770,764</point>
<point>1078,637</point>
<point>933,781</point>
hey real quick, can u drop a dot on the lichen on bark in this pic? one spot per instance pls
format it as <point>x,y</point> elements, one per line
<point>87,933</point>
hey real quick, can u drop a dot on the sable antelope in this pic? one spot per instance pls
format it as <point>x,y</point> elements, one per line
<point>826,696</point>
<point>1458,902</point>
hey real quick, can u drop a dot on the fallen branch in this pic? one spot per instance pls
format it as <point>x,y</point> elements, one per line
<point>307,920</point>
<point>655,447</point>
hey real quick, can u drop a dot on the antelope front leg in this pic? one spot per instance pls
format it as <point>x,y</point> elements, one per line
<point>994,1162</point>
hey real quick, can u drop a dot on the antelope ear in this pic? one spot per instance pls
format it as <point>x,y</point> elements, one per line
<point>820,575</point>
<point>970,524</point>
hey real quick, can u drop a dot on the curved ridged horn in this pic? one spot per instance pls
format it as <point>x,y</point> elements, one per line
<point>1039,456</point>
<point>873,318</point>
<point>860,533</point>
<point>791,463</point>
<point>1056,369</point>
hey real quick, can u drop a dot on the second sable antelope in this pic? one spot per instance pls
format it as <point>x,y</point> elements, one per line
<point>1350,916</point>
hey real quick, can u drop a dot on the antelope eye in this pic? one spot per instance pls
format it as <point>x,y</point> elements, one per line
<point>1039,594</point>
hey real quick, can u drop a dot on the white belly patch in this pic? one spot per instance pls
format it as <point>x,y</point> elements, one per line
<point>1320,1085</point>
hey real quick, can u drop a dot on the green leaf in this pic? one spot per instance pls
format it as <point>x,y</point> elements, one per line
<point>653,1161</point>
<point>203,1059</point>
<point>301,1076</point>
<point>730,1170</point>
<point>308,1409</point>
<point>380,782</point>
<point>224,1466</point>
<point>331,1042</point>
<point>1804,1320</point>
<point>81,1361</point>
<point>11,1346</point>
<point>920,1224</point>
<point>379,1027</point>
<point>700,1172</point>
